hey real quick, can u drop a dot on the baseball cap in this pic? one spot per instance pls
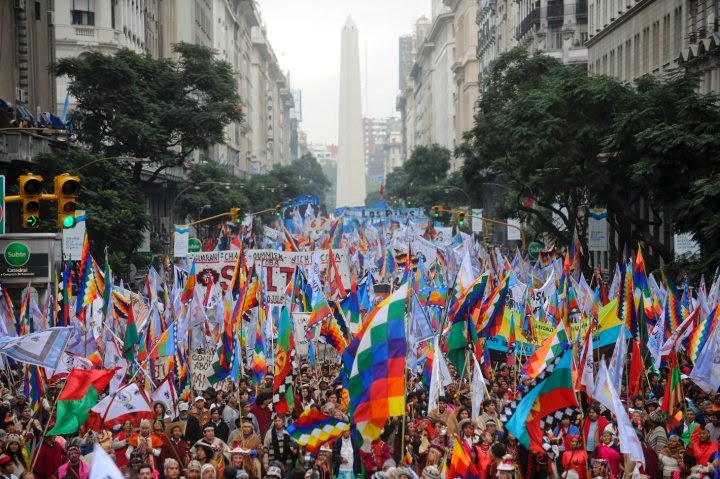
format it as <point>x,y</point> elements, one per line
<point>273,471</point>
<point>199,398</point>
<point>183,406</point>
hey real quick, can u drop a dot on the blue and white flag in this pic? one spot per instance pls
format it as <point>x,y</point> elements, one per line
<point>41,349</point>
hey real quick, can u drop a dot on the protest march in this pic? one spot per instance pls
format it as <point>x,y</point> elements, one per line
<point>375,345</point>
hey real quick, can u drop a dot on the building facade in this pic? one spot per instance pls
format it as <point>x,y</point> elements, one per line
<point>27,42</point>
<point>465,69</point>
<point>652,37</point>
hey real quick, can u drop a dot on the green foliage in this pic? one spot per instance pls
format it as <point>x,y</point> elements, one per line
<point>562,141</point>
<point>211,191</point>
<point>424,179</point>
<point>303,177</point>
<point>133,105</point>
<point>115,207</point>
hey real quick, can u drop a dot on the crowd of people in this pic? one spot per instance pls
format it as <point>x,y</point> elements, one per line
<point>237,435</point>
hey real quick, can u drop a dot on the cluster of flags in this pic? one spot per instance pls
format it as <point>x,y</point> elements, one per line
<point>414,302</point>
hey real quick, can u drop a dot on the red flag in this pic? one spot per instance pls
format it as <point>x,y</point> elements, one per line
<point>636,369</point>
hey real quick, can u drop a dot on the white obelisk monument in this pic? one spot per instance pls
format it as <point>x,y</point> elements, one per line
<point>351,154</point>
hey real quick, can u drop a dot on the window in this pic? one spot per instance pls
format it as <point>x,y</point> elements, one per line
<point>38,13</point>
<point>83,12</point>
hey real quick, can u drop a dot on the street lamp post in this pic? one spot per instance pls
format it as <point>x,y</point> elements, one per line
<point>196,186</point>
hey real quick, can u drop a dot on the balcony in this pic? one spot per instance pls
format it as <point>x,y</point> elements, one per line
<point>530,22</point>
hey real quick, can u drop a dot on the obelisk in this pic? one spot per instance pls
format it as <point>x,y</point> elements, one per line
<point>351,156</point>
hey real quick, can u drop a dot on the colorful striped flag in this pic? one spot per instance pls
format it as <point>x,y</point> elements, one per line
<point>376,363</point>
<point>548,350</point>
<point>259,362</point>
<point>701,333</point>
<point>461,466</point>
<point>332,334</point>
<point>313,429</point>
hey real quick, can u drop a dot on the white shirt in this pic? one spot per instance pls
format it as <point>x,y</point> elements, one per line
<point>346,452</point>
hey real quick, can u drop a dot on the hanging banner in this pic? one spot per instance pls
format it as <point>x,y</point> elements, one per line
<point>597,229</point>
<point>513,229</point>
<point>278,268</point>
<point>182,238</point>
<point>477,223</point>
<point>685,245</point>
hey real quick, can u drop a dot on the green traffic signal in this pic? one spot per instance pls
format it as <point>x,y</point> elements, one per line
<point>32,221</point>
<point>68,221</point>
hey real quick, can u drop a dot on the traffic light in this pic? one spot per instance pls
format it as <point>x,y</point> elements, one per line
<point>278,210</point>
<point>67,189</point>
<point>435,210</point>
<point>461,219</point>
<point>30,192</point>
<point>408,201</point>
<point>235,216</point>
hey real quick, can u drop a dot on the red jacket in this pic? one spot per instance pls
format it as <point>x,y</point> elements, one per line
<point>702,452</point>
<point>602,424</point>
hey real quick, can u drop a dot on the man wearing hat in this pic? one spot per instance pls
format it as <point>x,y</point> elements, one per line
<point>192,427</point>
<point>175,447</point>
<point>216,444</point>
<point>251,447</point>
<point>192,471</point>
<point>199,411</point>
<point>74,467</point>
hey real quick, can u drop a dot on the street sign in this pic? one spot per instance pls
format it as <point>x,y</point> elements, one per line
<point>27,258</point>
<point>194,245</point>
<point>534,250</point>
<point>2,204</point>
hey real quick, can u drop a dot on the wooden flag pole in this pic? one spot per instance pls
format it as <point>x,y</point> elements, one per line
<point>47,425</point>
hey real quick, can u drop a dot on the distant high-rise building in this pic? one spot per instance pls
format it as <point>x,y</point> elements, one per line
<point>351,160</point>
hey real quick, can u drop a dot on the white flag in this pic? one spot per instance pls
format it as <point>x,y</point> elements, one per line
<point>67,362</point>
<point>655,341</point>
<point>103,467</point>
<point>615,368</point>
<point>128,402</point>
<point>165,393</point>
<point>478,388</point>
<point>439,376</point>
<point>587,378</point>
<point>607,395</point>
<point>119,375</point>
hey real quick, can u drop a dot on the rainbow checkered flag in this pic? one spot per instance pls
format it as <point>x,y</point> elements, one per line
<point>375,363</point>
<point>313,429</point>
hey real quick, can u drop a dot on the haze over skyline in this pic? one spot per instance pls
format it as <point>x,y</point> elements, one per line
<point>305,35</point>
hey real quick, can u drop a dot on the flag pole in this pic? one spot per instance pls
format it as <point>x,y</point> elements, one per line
<point>47,425</point>
<point>407,351</point>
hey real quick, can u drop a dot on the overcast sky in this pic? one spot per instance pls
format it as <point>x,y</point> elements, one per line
<point>305,35</point>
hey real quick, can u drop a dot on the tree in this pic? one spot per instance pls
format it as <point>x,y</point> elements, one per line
<point>562,141</point>
<point>212,190</point>
<point>311,174</point>
<point>423,179</point>
<point>115,207</point>
<point>133,105</point>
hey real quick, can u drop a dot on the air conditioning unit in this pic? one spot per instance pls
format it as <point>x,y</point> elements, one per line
<point>21,95</point>
<point>51,18</point>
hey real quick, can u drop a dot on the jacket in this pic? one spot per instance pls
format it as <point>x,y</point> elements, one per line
<point>337,459</point>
